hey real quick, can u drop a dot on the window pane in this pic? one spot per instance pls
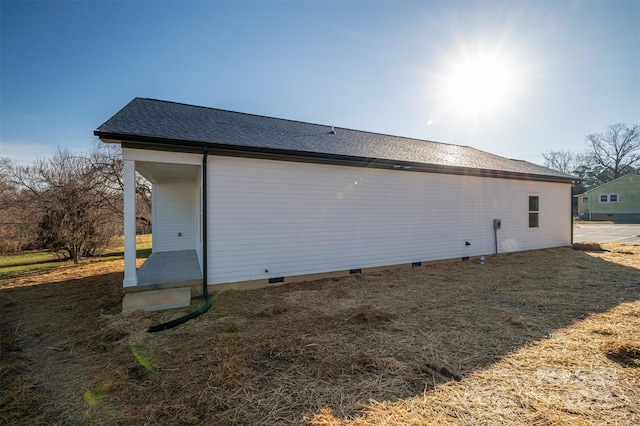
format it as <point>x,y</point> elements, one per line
<point>613,198</point>
<point>533,204</point>
<point>603,198</point>
<point>533,220</point>
<point>584,200</point>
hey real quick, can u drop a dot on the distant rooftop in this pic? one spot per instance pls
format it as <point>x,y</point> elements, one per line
<point>157,122</point>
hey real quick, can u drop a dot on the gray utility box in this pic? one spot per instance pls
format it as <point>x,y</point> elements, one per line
<point>497,223</point>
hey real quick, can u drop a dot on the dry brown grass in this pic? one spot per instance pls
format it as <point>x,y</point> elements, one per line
<point>588,247</point>
<point>546,337</point>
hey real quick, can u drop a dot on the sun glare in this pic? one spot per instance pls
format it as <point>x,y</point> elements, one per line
<point>482,85</point>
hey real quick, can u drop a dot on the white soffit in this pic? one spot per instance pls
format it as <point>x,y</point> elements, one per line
<point>164,172</point>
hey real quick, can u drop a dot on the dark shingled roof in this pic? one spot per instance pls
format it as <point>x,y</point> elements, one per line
<point>157,122</point>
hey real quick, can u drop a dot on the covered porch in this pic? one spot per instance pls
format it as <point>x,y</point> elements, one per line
<point>166,279</point>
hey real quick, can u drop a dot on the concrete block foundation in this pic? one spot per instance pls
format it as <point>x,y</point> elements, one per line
<point>156,300</point>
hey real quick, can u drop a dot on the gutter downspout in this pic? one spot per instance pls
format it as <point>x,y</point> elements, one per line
<point>205,291</point>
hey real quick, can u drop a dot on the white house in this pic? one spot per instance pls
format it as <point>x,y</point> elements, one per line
<point>282,201</point>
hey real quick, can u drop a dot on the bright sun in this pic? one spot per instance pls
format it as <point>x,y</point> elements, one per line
<point>482,85</point>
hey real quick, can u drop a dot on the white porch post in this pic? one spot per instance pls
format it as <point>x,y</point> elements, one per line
<point>130,277</point>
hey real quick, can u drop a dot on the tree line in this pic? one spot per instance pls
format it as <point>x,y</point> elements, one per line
<point>608,156</point>
<point>70,204</point>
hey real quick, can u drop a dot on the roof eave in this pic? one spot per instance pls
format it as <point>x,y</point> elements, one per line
<point>179,145</point>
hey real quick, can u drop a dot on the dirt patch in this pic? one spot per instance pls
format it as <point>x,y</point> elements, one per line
<point>542,337</point>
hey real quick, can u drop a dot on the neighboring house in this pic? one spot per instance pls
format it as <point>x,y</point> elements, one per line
<point>284,201</point>
<point>618,201</point>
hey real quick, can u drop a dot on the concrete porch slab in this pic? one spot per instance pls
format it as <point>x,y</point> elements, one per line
<point>170,268</point>
<point>156,300</point>
<point>165,281</point>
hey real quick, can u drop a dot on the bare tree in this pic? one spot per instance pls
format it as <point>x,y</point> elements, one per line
<point>74,209</point>
<point>563,161</point>
<point>143,205</point>
<point>616,151</point>
<point>6,186</point>
<point>17,229</point>
<point>610,154</point>
<point>107,158</point>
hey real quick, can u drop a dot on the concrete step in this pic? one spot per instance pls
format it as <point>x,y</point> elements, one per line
<point>156,300</point>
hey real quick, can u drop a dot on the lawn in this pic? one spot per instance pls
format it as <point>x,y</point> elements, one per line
<point>40,260</point>
<point>544,337</point>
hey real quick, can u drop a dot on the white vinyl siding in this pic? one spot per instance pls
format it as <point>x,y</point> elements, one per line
<point>198,218</point>
<point>292,218</point>
<point>174,213</point>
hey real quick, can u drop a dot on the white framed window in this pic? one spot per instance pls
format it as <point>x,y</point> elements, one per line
<point>585,200</point>
<point>534,211</point>
<point>608,198</point>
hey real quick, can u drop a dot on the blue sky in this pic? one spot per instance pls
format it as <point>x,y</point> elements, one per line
<point>551,71</point>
